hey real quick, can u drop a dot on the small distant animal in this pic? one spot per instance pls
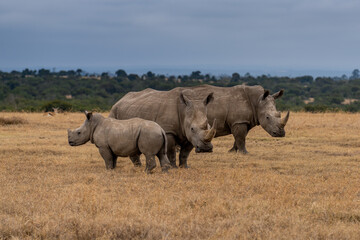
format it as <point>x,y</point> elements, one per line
<point>52,114</point>
<point>123,138</point>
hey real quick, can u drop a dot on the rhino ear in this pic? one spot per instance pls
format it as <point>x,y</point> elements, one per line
<point>266,94</point>
<point>209,99</point>
<point>278,94</point>
<point>185,99</point>
<point>88,115</point>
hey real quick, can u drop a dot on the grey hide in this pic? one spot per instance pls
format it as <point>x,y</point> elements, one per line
<point>240,108</point>
<point>180,112</point>
<point>123,138</point>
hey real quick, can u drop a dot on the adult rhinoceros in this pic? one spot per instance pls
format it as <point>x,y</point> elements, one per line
<point>180,112</point>
<point>238,109</point>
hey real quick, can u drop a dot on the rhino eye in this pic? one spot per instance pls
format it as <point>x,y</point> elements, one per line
<point>78,133</point>
<point>192,129</point>
<point>267,117</point>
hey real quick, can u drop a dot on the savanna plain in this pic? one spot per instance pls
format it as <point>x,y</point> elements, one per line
<point>303,186</point>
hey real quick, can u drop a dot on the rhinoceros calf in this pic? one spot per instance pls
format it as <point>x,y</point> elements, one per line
<point>123,138</point>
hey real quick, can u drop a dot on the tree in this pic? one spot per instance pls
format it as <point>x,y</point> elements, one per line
<point>248,75</point>
<point>28,72</point>
<point>121,73</point>
<point>172,79</point>
<point>71,73</point>
<point>207,77</point>
<point>150,75</point>
<point>62,73</point>
<point>235,77</point>
<point>305,79</point>
<point>79,72</point>
<point>355,74</point>
<point>44,72</point>
<point>133,77</point>
<point>104,75</point>
<point>196,75</point>
<point>344,77</point>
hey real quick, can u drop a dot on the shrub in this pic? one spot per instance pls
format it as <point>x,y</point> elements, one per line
<point>61,105</point>
<point>316,108</point>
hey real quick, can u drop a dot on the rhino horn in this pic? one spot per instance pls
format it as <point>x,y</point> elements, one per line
<point>285,119</point>
<point>210,134</point>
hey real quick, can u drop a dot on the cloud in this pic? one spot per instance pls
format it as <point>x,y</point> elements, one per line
<point>321,33</point>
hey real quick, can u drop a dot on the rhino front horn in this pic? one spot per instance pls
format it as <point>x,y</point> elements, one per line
<point>211,133</point>
<point>285,119</point>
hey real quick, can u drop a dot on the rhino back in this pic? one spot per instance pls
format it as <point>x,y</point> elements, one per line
<point>120,136</point>
<point>149,104</point>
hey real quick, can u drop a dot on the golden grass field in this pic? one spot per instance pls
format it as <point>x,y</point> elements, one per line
<point>303,186</point>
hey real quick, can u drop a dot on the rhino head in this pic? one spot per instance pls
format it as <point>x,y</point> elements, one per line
<point>269,118</point>
<point>82,134</point>
<point>195,123</point>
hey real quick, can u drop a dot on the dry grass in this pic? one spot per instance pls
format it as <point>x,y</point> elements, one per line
<point>303,186</point>
<point>12,120</point>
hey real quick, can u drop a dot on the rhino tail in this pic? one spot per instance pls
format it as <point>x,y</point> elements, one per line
<point>164,147</point>
<point>162,154</point>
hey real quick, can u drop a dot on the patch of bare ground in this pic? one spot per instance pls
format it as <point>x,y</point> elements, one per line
<point>303,186</point>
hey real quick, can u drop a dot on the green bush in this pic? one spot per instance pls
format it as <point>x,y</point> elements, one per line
<point>354,107</point>
<point>316,108</point>
<point>61,105</point>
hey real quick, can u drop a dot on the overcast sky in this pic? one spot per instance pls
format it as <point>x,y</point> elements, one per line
<point>234,35</point>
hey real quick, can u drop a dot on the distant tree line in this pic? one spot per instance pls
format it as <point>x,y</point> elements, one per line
<point>76,90</point>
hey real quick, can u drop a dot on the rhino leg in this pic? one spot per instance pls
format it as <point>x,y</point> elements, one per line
<point>136,160</point>
<point>109,157</point>
<point>234,148</point>
<point>239,132</point>
<point>184,154</point>
<point>171,153</point>
<point>114,161</point>
<point>150,163</point>
<point>163,159</point>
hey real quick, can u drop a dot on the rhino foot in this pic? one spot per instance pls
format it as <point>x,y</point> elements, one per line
<point>184,166</point>
<point>165,168</point>
<point>244,152</point>
<point>233,150</point>
<point>173,165</point>
<point>137,164</point>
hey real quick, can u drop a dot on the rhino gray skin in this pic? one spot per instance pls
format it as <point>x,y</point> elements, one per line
<point>180,112</point>
<point>240,108</point>
<point>123,138</point>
